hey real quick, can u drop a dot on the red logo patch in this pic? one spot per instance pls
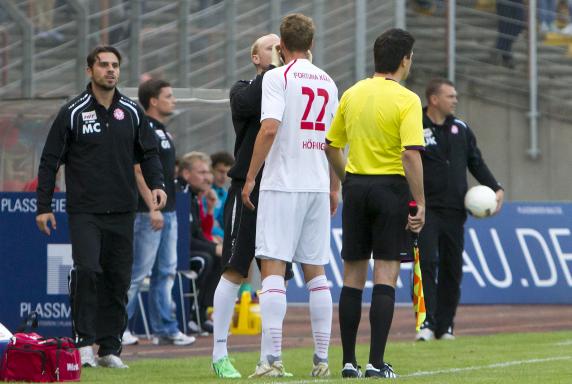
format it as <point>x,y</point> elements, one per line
<point>118,114</point>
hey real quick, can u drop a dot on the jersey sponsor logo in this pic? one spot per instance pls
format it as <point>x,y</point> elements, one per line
<point>454,129</point>
<point>429,138</point>
<point>72,367</point>
<point>91,128</point>
<point>119,114</point>
<point>165,144</point>
<point>88,116</point>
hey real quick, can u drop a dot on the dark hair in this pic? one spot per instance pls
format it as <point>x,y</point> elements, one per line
<point>92,57</point>
<point>150,89</point>
<point>297,32</point>
<point>222,157</point>
<point>390,48</point>
<point>434,86</point>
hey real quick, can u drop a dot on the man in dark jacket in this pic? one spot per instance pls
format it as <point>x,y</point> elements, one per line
<point>99,135</point>
<point>194,169</point>
<point>450,149</point>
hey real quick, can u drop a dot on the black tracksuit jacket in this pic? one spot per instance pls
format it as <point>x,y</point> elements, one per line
<point>451,149</point>
<point>99,148</point>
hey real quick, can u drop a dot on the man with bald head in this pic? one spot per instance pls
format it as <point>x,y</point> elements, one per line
<point>239,223</point>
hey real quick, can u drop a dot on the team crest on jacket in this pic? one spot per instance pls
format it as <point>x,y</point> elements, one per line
<point>454,129</point>
<point>118,114</point>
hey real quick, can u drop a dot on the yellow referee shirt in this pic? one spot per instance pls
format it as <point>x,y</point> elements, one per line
<point>379,119</point>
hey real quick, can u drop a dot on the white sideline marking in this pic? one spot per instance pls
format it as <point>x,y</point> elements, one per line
<point>442,371</point>
<point>565,342</point>
<point>496,365</point>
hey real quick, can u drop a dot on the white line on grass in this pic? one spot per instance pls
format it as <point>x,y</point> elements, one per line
<point>496,365</point>
<point>565,342</point>
<point>445,371</point>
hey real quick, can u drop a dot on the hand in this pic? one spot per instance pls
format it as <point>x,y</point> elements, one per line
<point>276,59</point>
<point>334,200</point>
<point>211,198</point>
<point>415,223</point>
<point>500,199</point>
<point>42,221</point>
<point>217,239</point>
<point>218,250</point>
<point>159,199</point>
<point>157,221</point>
<point>246,191</point>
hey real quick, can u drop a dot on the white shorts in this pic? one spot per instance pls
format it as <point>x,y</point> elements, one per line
<point>293,227</point>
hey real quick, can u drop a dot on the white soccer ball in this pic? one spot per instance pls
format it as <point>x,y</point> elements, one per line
<point>481,201</point>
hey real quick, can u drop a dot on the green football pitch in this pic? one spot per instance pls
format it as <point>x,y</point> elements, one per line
<point>539,358</point>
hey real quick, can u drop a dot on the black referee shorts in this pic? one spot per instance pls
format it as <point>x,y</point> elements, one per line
<point>374,217</point>
<point>240,232</point>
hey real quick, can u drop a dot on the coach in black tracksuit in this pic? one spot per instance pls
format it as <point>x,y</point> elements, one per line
<point>99,135</point>
<point>450,149</point>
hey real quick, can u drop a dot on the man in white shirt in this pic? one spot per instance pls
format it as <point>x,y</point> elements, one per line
<point>297,194</point>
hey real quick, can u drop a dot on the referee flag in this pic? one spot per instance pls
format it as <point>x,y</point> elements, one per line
<point>418,299</point>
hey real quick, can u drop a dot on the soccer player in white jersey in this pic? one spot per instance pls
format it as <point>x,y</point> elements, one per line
<point>297,193</point>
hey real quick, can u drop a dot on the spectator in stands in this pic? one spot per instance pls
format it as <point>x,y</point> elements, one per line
<point>221,164</point>
<point>450,150</point>
<point>567,30</point>
<point>510,24</point>
<point>207,203</point>
<point>99,135</point>
<point>155,231</point>
<point>205,254</point>
<point>547,15</point>
<point>43,12</point>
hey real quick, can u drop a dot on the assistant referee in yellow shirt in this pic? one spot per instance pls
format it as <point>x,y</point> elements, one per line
<point>381,121</point>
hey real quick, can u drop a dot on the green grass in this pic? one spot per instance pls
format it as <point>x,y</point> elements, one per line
<point>539,358</point>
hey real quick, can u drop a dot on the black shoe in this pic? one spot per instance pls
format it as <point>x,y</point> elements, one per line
<point>351,371</point>
<point>386,372</point>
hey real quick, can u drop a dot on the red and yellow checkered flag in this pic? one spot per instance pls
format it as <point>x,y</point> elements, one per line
<point>418,298</point>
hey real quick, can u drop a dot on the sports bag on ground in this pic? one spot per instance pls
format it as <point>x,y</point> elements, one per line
<point>31,357</point>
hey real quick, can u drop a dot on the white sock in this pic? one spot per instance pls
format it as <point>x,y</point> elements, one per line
<point>224,299</point>
<point>320,314</point>
<point>273,309</point>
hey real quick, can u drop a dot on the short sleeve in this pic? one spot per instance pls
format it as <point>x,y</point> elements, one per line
<point>411,130</point>
<point>273,96</point>
<point>337,135</point>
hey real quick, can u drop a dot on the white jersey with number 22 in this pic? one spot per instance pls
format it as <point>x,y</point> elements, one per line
<point>304,99</point>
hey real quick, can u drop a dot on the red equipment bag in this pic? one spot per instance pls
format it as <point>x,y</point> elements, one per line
<point>31,357</point>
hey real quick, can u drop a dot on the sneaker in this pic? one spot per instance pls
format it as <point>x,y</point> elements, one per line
<point>208,326</point>
<point>177,339</point>
<point>225,370</point>
<point>87,357</point>
<point>129,338</point>
<point>111,361</point>
<point>194,327</point>
<point>350,371</point>
<point>264,369</point>
<point>447,335</point>
<point>425,333</point>
<point>567,30</point>
<point>385,372</point>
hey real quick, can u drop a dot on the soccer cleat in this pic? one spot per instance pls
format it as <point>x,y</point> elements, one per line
<point>386,372</point>
<point>225,370</point>
<point>87,357</point>
<point>276,369</point>
<point>129,338</point>
<point>320,368</point>
<point>111,361</point>
<point>351,371</point>
<point>178,338</point>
